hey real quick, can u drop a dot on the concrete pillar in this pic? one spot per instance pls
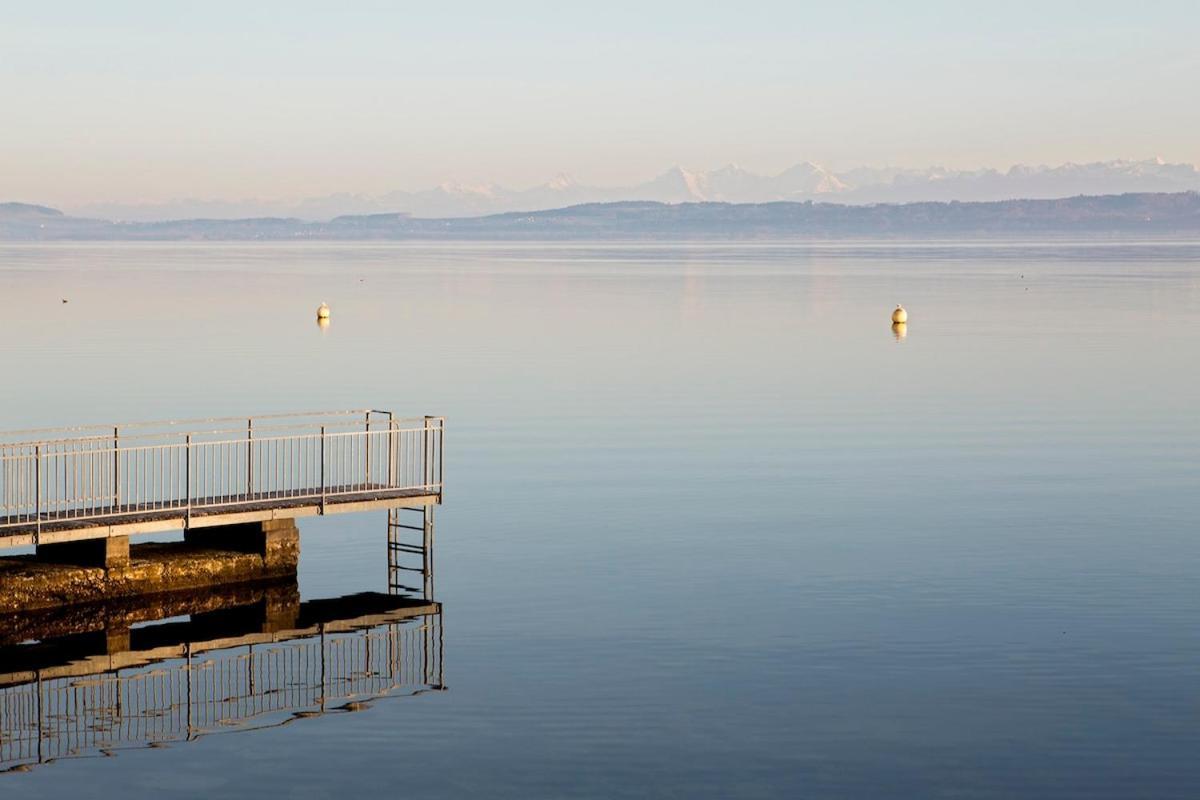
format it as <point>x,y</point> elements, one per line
<point>276,540</point>
<point>281,545</point>
<point>111,553</point>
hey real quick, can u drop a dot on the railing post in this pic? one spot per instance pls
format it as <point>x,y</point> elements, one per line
<point>322,469</point>
<point>391,467</point>
<point>427,462</point>
<point>367,448</point>
<point>37,503</point>
<point>187,482</point>
<point>249,457</point>
<point>116,468</point>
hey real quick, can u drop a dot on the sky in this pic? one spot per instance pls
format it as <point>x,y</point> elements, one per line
<point>147,101</point>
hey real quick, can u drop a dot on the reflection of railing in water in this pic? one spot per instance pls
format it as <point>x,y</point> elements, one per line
<point>247,657</point>
<point>223,689</point>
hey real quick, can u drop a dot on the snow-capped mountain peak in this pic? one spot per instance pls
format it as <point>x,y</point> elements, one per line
<point>561,181</point>
<point>731,183</point>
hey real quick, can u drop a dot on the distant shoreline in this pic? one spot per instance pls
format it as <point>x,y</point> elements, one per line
<point>1152,216</point>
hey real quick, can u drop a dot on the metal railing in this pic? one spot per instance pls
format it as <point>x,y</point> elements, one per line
<point>180,469</point>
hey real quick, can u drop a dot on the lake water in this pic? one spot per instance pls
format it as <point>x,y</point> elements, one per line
<point>711,529</point>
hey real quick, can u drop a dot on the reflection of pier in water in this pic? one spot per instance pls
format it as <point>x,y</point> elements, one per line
<point>86,681</point>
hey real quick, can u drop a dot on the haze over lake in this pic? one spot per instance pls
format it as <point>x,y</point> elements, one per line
<point>711,527</point>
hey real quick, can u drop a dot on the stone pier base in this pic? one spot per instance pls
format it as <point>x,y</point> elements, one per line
<point>102,569</point>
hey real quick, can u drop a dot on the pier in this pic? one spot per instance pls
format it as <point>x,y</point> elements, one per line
<point>78,494</point>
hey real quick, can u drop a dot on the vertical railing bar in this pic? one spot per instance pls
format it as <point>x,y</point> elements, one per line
<point>187,481</point>
<point>391,450</point>
<point>322,469</point>
<point>37,472</point>
<point>427,468</point>
<point>116,468</point>
<point>249,457</point>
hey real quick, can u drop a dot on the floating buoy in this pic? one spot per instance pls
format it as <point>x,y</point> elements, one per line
<point>323,311</point>
<point>900,330</point>
<point>900,316</point>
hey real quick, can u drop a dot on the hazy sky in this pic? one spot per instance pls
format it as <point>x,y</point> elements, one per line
<point>137,101</point>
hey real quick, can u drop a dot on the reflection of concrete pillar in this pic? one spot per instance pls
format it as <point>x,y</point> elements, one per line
<point>111,553</point>
<point>281,607</point>
<point>116,640</point>
<point>276,540</point>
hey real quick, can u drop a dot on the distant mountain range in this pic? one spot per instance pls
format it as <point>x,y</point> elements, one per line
<point>1142,215</point>
<point>730,184</point>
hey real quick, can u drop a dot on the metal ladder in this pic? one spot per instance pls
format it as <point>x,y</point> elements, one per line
<point>410,542</point>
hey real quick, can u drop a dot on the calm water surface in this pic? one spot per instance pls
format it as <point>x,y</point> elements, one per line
<point>711,529</point>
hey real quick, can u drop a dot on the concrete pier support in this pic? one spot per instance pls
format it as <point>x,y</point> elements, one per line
<point>277,541</point>
<point>111,553</point>
<point>103,569</point>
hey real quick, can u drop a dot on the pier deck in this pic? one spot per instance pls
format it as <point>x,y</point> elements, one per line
<point>87,483</point>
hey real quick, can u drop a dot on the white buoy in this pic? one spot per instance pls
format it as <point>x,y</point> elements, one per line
<point>900,315</point>
<point>323,311</point>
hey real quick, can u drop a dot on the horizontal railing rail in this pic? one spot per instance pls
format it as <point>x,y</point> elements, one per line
<point>213,427</point>
<point>92,478</point>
